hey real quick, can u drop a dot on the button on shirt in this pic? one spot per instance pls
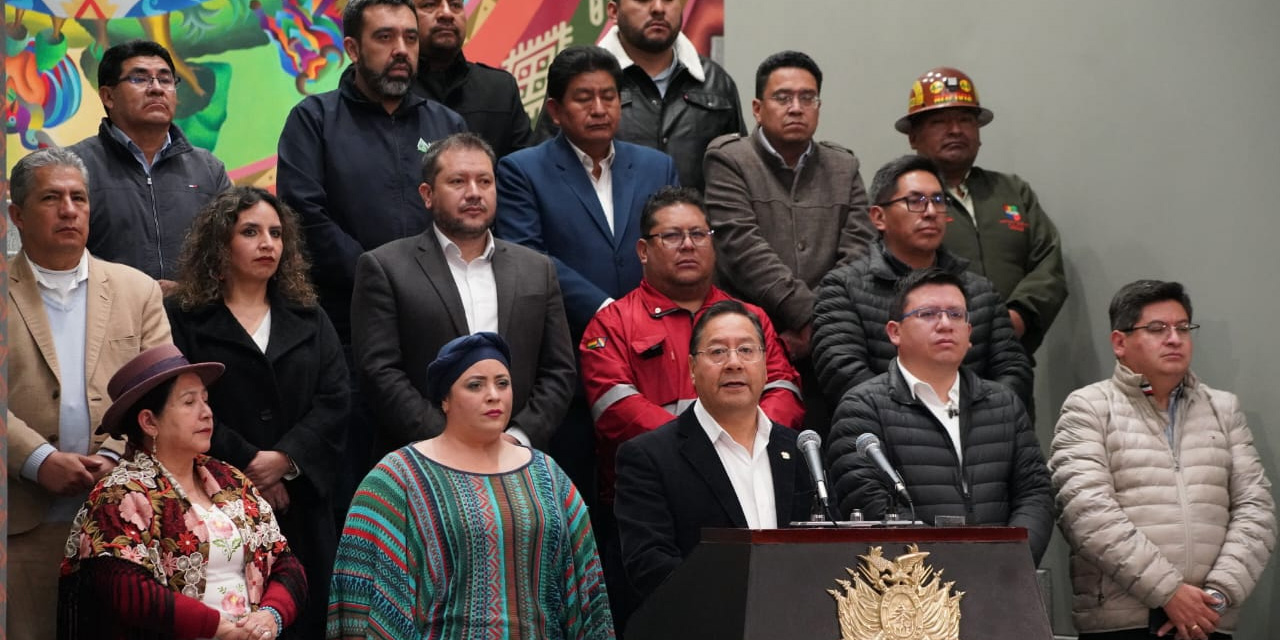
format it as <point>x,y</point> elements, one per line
<point>604,184</point>
<point>925,393</point>
<point>476,286</point>
<point>749,471</point>
<point>965,197</point>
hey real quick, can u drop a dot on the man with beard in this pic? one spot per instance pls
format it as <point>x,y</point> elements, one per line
<point>673,100</point>
<point>414,295</point>
<point>486,97</point>
<point>348,164</point>
<point>149,182</point>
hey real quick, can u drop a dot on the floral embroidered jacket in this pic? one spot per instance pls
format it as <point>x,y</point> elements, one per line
<point>135,559</point>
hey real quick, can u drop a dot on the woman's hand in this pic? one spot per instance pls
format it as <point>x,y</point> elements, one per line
<point>267,468</point>
<point>277,496</point>
<point>259,625</point>
<point>228,630</point>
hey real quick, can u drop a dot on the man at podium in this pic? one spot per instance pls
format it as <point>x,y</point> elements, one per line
<point>720,463</point>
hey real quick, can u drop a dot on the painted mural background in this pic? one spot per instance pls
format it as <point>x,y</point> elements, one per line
<point>245,63</point>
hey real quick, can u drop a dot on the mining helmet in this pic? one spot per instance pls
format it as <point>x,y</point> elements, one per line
<point>942,88</point>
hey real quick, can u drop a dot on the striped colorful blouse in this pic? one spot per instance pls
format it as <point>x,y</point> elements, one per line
<point>432,552</point>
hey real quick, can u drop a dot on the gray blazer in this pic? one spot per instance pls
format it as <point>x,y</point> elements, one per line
<point>406,306</point>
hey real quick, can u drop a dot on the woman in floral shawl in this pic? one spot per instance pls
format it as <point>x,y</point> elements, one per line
<point>173,543</point>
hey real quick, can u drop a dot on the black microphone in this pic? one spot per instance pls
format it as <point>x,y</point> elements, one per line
<point>808,442</point>
<point>869,445</point>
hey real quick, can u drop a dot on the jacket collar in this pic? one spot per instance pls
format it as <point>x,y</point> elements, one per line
<point>288,328</point>
<point>686,53</point>
<point>1130,382</point>
<point>886,266</point>
<point>178,142</point>
<point>658,305</point>
<point>971,389</point>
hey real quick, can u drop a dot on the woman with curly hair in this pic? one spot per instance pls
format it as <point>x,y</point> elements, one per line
<point>243,299</point>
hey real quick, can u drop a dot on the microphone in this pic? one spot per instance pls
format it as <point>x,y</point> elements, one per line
<point>869,445</point>
<point>808,443</point>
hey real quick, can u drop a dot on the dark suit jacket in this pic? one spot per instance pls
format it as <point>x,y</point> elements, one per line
<point>671,485</point>
<point>546,202</point>
<point>406,306</point>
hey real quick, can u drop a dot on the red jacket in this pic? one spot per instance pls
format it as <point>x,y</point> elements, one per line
<point>635,368</point>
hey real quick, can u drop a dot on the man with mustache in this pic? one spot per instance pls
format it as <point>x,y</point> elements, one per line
<point>964,445</point>
<point>851,343</point>
<point>486,97</point>
<point>996,219</point>
<point>673,99</point>
<point>349,162</point>
<point>786,208</point>
<point>149,181</point>
<point>414,295</point>
<point>1164,500</point>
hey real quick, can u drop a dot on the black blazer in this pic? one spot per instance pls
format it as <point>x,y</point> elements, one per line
<point>406,306</point>
<point>671,485</point>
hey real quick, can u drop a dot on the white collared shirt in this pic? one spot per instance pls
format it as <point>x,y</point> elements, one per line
<point>749,471</point>
<point>962,193</point>
<point>476,285</point>
<point>764,141</point>
<point>61,284</point>
<point>946,412</point>
<point>604,184</point>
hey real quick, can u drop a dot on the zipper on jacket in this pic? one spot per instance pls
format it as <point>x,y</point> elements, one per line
<point>155,217</point>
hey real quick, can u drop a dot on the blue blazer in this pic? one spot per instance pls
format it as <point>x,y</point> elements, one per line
<point>546,202</point>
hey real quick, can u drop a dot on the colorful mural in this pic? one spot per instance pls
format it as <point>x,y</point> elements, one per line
<point>245,63</point>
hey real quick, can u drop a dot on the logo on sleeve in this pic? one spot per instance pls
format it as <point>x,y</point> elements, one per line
<point>594,343</point>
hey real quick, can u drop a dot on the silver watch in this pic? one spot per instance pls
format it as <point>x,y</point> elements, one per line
<point>1218,596</point>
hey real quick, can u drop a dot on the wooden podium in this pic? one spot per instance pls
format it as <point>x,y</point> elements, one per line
<point>741,584</point>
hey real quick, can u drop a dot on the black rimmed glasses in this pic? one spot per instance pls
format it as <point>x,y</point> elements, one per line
<point>918,203</point>
<point>1160,327</point>
<point>674,239</point>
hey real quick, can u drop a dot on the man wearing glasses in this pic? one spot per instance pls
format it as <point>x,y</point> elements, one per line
<point>634,354</point>
<point>786,208</point>
<point>1164,500</point>
<point>148,181</point>
<point>964,445</point>
<point>851,344</point>
<point>997,221</point>
<point>721,463</point>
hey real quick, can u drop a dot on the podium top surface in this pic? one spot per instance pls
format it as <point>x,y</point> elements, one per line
<point>865,534</point>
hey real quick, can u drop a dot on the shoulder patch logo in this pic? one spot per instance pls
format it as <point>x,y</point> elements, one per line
<point>594,343</point>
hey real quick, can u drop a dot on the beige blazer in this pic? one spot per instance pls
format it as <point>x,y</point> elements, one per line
<point>125,316</point>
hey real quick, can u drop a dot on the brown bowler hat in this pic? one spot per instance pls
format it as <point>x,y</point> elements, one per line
<point>144,372</point>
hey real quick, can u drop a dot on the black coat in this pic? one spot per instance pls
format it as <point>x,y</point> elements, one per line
<point>487,98</point>
<point>1003,481</point>
<point>294,399</point>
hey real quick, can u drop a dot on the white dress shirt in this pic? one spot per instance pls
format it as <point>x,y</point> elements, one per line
<point>749,471</point>
<point>604,184</point>
<point>946,412</point>
<point>476,286</point>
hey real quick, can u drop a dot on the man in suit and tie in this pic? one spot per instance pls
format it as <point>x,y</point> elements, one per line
<point>73,321</point>
<point>577,198</point>
<point>721,463</point>
<point>415,294</point>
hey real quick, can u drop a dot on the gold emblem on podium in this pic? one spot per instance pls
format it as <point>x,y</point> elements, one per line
<point>899,599</point>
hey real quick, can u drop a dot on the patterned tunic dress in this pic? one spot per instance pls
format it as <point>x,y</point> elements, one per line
<point>432,552</point>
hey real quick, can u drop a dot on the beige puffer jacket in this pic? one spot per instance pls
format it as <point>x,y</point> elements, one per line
<point>1141,519</point>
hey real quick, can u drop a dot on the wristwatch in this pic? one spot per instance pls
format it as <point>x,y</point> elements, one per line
<point>294,471</point>
<point>1218,596</point>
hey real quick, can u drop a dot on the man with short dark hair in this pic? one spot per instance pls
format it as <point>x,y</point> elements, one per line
<point>349,158</point>
<point>786,208</point>
<point>486,97</point>
<point>577,198</point>
<point>850,340</point>
<point>149,181</point>
<point>1164,500</point>
<point>674,100</point>
<point>721,463</point>
<point>414,295</point>
<point>963,445</point>
<point>996,221</point>
<point>73,321</point>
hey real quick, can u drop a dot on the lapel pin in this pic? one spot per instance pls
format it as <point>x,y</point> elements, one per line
<point>785,455</point>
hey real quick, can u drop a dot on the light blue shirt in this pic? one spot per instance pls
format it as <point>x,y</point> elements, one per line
<point>663,80</point>
<point>138,155</point>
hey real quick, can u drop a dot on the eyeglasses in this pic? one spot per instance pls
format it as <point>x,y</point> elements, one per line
<point>675,239</point>
<point>807,100</point>
<point>747,353</point>
<point>934,314</point>
<point>1159,327</point>
<point>143,81</point>
<point>918,204</point>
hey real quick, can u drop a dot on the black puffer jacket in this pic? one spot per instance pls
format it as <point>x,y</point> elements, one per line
<point>1003,481</point>
<point>851,345</point>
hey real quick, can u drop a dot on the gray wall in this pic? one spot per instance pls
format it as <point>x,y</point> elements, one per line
<point>1148,130</point>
